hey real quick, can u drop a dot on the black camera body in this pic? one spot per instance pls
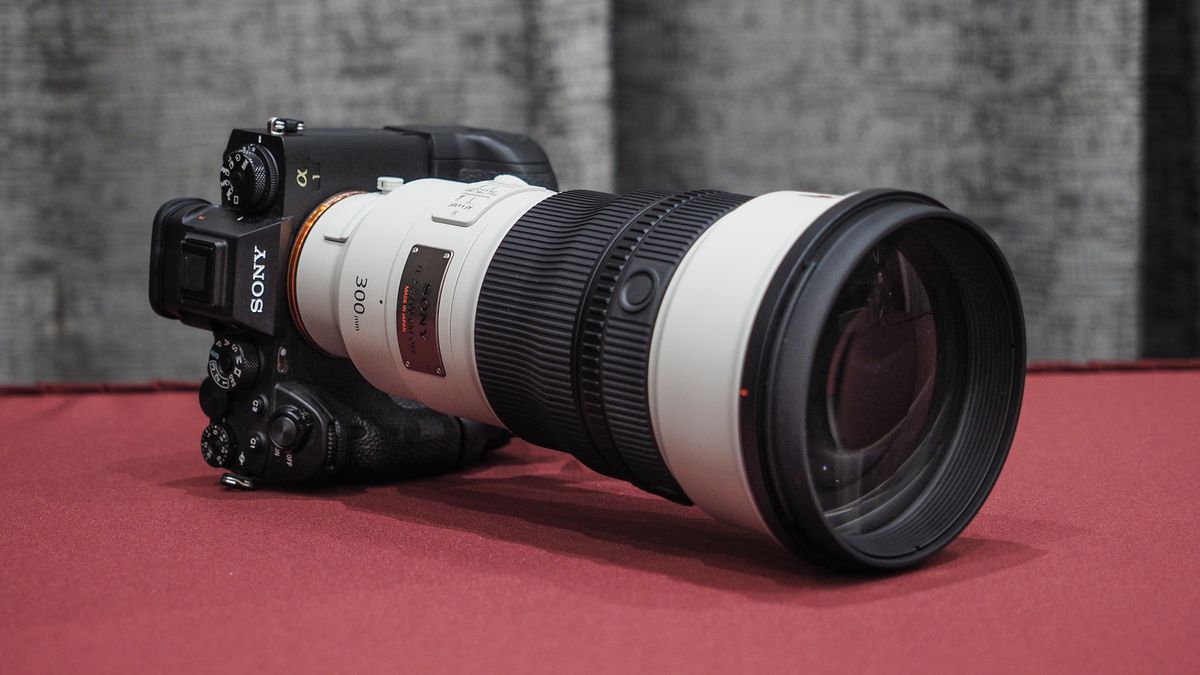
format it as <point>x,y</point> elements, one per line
<point>280,410</point>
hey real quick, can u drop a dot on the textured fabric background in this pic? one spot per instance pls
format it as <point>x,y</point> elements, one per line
<point>1029,116</point>
<point>1023,115</point>
<point>111,108</point>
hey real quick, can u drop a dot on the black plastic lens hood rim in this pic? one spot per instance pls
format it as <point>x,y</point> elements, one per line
<point>793,313</point>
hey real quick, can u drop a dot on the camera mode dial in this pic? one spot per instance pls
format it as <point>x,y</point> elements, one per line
<point>249,179</point>
<point>232,364</point>
<point>217,444</point>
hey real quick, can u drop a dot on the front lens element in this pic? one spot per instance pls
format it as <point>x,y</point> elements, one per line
<point>879,384</point>
<point>880,381</point>
<point>889,355</point>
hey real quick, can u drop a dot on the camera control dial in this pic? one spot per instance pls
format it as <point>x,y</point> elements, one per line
<point>232,364</point>
<point>249,179</point>
<point>217,444</point>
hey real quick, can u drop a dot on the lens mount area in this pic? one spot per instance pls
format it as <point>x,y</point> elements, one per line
<point>882,382</point>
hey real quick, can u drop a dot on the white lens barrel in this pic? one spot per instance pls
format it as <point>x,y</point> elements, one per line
<point>348,278</point>
<point>349,275</point>
<point>699,347</point>
<point>668,339</point>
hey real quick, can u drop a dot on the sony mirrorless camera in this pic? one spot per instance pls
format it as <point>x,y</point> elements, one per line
<point>279,409</point>
<point>839,373</point>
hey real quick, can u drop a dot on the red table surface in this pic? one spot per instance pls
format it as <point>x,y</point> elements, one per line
<point>119,551</point>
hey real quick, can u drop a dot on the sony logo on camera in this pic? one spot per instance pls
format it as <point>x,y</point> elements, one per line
<point>258,283</point>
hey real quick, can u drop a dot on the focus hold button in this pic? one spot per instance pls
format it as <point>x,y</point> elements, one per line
<point>289,428</point>
<point>638,290</point>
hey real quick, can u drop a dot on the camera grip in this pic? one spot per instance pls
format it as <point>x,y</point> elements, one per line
<point>386,439</point>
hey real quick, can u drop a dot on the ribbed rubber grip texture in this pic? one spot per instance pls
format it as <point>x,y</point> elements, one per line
<point>629,326</point>
<point>599,300</point>
<point>565,319</point>
<point>528,313</point>
<point>378,438</point>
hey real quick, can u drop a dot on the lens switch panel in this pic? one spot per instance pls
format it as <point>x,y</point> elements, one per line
<point>468,205</point>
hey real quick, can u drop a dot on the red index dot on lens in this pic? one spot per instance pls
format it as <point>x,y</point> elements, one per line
<point>745,392</point>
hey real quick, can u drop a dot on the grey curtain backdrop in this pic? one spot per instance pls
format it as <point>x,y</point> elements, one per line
<point>1067,128</point>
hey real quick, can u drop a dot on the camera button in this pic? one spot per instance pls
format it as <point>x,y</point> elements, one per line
<point>257,442</point>
<point>258,405</point>
<point>638,290</point>
<point>289,428</point>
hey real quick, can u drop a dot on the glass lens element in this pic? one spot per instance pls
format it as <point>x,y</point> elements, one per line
<point>881,350</point>
<point>880,382</point>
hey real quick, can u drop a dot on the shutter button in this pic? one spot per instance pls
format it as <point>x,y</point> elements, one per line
<point>289,428</point>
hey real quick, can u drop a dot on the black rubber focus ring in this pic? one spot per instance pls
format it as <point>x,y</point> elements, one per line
<point>526,321</point>
<point>629,327</point>
<point>565,318</point>
<point>601,293</point>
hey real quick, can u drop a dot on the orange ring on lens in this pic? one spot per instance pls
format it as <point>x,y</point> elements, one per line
<point>294,263</point>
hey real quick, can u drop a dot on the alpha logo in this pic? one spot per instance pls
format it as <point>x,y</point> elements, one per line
<point>258,283</point>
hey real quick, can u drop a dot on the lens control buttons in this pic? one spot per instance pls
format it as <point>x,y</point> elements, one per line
<point>638,290</point>
<point>465,207</point>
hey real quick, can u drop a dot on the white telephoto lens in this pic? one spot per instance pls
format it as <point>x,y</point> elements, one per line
<point>842,374</point>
